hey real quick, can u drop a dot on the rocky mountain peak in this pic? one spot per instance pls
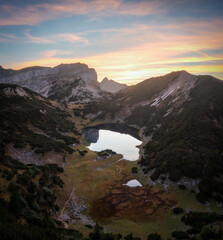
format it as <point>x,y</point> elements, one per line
<point>74,82</point>
<point>106,80</point>
<point>79,70</point>
<point>111,86</point>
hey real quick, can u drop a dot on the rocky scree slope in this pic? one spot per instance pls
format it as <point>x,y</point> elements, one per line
<point>182,116</point>
<point>66,82</point>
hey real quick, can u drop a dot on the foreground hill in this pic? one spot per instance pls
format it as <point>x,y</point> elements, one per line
<point>181,116</point>
<point>65,82</point>
<point>31,126</point>
<point>33,137</point>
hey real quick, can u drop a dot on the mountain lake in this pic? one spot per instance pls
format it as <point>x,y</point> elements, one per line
<point>120,143</point>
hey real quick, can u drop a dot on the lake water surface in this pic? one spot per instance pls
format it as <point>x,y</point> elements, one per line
<point>121,143</point>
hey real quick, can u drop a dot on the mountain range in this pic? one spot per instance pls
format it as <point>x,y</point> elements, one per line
<point>65,82</point>
<point>43,114</point>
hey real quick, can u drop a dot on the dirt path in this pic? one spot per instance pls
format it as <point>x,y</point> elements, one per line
<point>64,207</point>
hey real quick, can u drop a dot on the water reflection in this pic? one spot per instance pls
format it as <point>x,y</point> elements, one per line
<point>118,142</point>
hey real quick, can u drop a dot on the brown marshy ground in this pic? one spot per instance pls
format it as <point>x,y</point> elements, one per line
<point>135,203</point>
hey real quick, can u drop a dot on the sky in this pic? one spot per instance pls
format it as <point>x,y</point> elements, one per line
<point>124,40</point>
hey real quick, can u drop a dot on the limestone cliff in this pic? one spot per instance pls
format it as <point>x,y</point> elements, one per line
<point>74,82</point>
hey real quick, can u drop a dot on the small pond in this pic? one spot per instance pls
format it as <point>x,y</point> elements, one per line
<point>133,183</point>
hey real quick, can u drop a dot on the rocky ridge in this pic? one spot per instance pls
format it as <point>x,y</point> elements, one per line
<point>74,82</point>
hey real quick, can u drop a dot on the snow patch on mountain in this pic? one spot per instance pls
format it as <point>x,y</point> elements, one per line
<point>179,88</point>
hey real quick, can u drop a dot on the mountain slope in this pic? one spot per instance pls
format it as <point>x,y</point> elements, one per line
<point>66,82</point>
<point>181,116</point>
<point>33,137</point>
<point>30,126</point>
<point>111,86</point>
<point>189,141</point>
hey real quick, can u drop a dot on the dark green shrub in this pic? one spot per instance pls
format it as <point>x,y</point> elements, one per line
<point>155,175</point>
<point>181,186</point>
<point>175,175</point>
<point>178,210</point>
<point>193,230</point>
<point>135,170</point>
<point>180,235</point>
<point>145,170</point>
<point>154,236</point>
<point>88,226</point>
<point>207,233</point>
<point>163,178</point>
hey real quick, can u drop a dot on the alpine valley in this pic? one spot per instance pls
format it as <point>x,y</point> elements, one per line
<point>52,186</point>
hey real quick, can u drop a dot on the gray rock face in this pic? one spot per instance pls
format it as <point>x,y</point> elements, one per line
<point>66,82</point>
<point>111,86</point>
<point>18,91</point>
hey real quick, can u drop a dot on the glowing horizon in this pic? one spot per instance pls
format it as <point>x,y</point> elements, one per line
<point>125,40</point>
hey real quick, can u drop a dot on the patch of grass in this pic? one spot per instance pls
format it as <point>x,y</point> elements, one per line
<point>187,200</point>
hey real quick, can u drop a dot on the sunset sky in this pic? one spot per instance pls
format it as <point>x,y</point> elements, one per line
<point>124,40</point>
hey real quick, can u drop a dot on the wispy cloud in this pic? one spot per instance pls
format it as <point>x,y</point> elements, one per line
<point>55,53</point>
<point>9,36</point>
<point>6,37</point>
<point>34,14</point>
<point>55,38</point>
<point>34,39</point>
<point>70,37</point>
